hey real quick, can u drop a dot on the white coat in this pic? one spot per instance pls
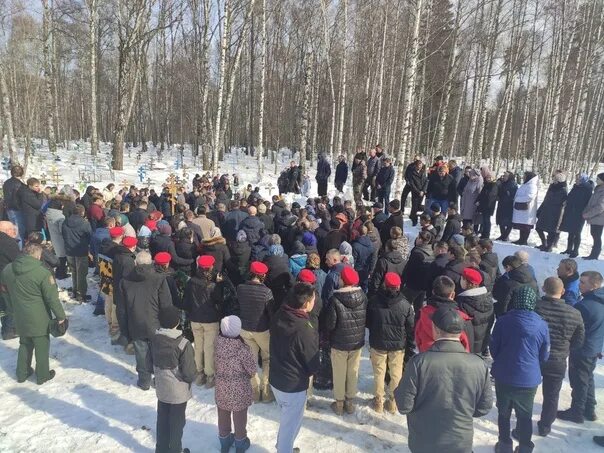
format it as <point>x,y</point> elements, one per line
<point>527,193</point>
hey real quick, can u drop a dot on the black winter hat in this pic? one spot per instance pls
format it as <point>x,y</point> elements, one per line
<point>169,318</point>
<point>448,319</point>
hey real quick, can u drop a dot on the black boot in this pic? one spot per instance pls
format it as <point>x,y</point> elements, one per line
<point>61,273</point>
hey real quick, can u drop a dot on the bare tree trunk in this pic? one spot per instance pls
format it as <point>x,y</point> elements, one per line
<point>262,91</point>
<point>305,110</point>
<point>93,36</point>
<point>409,99</point>
<point>378,126</point>
<point>221,82</point>
<point>7,116</point>
<point>339,142</point>
<point>48,77</point>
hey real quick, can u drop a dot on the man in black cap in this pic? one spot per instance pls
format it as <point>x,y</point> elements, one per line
<point>438,404</point>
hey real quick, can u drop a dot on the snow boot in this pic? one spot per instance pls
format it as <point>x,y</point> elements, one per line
<point>267,395</point>
<point>242,445</point>
<point>504,447</point>
<point>210,382</point>
<point>570,415</point>
<point>338,407</point>
<point>61,272</point>
<point>226,443</point>
<point>378,404</point>
<point>525,448</point>
<point>349,406</point>
<point>201,379</point>
<point>390,406</point>
<point>51,375</point>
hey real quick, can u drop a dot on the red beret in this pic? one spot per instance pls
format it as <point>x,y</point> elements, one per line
<point>162,258</point>
<point>129,241</point>
<point>156,215</point>
<point>205,261</point>
<point>472,275</point>
<point>392,280</point>
<point>349,276</point>
<point>116,232</point>
<point>307,276</point>
<point>151,224</point>
<point>258,268</point>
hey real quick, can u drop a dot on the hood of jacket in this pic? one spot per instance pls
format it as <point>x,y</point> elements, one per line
<point>143,273</point>
<point>214,241</point>
<point>596,296</point>
<point>350,296</point>
<point>73,221</point>
<point>365,241</point>
<point>25,264</point>
<point>394,257</point>
<point>53,215</point>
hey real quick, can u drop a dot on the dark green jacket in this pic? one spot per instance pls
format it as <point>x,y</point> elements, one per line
<point>31,295</point>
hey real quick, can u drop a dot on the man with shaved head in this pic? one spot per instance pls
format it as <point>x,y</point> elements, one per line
<point>9,251</point>
<point>566,332</point>
<point>253,226</point>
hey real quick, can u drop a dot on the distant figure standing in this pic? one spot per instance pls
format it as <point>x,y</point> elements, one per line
<point>383,181</point>
<point>506,192</point>
<point>323,174</point>
<point>11,188</point>
<point>524,215</point>
<point>341,174</point>
<point>594,214</point>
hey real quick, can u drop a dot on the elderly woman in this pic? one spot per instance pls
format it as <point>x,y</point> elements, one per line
<point>524,216</point>
<point>572,220</point>
<point>549,214</point>
<point>469,197</point>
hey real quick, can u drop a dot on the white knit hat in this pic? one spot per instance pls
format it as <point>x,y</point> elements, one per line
<point>230,326</point>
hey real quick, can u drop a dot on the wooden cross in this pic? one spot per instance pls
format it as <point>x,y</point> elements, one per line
<point>173,185</point>
<point>55,175</point>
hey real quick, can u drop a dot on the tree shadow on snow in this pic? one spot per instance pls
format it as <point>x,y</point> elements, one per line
<point>76,417</point>
<point>198,436</point>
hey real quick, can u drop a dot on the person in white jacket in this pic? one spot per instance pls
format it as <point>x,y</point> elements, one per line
<point>525,207</point>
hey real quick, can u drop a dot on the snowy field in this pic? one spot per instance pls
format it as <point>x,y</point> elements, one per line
<point>93,403</point>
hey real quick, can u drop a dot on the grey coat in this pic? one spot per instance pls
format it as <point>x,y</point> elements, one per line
<point>594,211</point>
<point>173,366</point>
<point>55,219</point>
<point>441,391</point>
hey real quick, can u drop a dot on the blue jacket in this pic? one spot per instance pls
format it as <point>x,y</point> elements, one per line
<point>519,343</point>
<point>592,311</point>
<point>297,263</point>
<point>571,289</point>
<point>99,235</point>
<point>332,282</point>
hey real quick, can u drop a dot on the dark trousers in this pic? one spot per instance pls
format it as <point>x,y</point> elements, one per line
<point>596,234</point>
<point>525,231</point>
<point>487,337</point>
<point>384,197</point>
<point>505,231</point>
<point>416,297</point>
<point>581,377</point>
<point>485,226</point>
<point>416,202</point>
<point>406,192</point>
<point>339,186</point>
<point>322,188</point>
<point>144,363</point>
<point>553,375</point>
<point>171,421</point>
<point>550,241</point>
<point>28,346</point>
<point>574,241</point>
<point>369,189</point>
<point>239,422</point>
<point>79,272</point>
<point>521,401</point>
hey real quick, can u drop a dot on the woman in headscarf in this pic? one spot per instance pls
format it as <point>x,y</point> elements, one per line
<point>469,198</point>
<point>572,220</point>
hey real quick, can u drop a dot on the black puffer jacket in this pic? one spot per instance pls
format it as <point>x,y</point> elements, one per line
<point>389,262</point>
<point>255,303</point>
<point>391,322</point>
<point>202,300</point>
<point>478,303</point>
<point>566,328</point>
<point>453,270</point>
<point>345,318</point>
<point>416,275</point>
<point>240,260</point>
<point>279,280</point>
<point>145,293</point>
<point>507,283</point>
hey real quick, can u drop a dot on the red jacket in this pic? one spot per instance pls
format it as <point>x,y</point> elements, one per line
<point>95,212</point>
<point>423,329</point>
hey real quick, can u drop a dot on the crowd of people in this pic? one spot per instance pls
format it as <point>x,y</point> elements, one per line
<point>265,301</point>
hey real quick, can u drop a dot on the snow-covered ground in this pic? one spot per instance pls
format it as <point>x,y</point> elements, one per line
<point>93,403</point>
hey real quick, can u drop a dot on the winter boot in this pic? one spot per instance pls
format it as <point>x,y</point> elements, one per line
<point>590,415</point>
<point>242,445</point>
<point>201,378</point>
<point>226,443</point>
<point>210,382</point>
<point>504,447</point>
<point>378,404</point>
<point>51,375</point>
<point>349,406</point>
<point>543,430</point>
<point>338,407</point>
<point>570,415</point>
<point>390,406</point>
<point>525,448</point>
<point>256,394</point>
<point>30,371</point>
<point>61,273</point>
<point>267,395</point>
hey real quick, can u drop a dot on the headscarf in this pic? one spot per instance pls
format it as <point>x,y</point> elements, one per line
<point>524,298</point>
<point>241,236</point>
<point>276,250</point>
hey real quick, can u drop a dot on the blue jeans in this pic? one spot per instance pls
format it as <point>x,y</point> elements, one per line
<point>292,407</point>
<point>444,205</point>
<point>16,218</point>
<point>144,364</point>
<point>384,198</point>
